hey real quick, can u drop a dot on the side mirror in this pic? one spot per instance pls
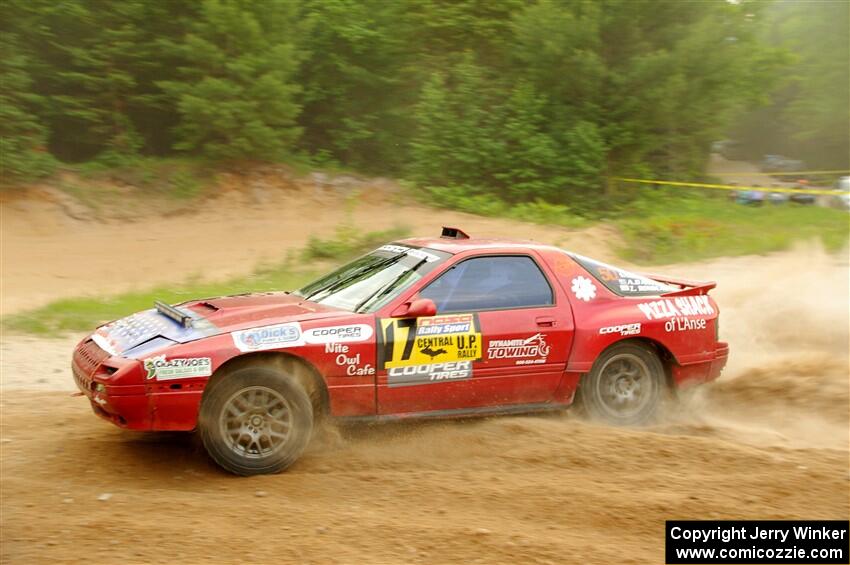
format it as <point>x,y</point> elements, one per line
<point>419,308</point>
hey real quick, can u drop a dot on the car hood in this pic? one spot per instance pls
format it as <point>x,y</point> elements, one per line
<point>249,310</point>
<point>143,332</point>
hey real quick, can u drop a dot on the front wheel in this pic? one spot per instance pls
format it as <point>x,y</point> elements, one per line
<point>625,386</point>
<point>255,420</point>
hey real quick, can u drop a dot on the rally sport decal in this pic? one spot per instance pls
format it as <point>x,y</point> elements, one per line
<point>429,350</point>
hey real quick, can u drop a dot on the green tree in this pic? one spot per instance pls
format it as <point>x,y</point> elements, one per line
<point>528,163</point>
<point>808,115</point>
<point>585,156</point>
<point>23,144</point>
<point>352,92</point>
<point>457,140</point>
<point>235,94</point>
<point>95,63</point>
<point>520,99</point>
<point>441,33</point>
<point>659,79</point>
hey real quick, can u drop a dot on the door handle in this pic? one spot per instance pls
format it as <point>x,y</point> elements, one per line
<point>546,321</point>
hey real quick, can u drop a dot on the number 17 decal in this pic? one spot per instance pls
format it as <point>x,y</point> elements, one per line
<point>424,341</point>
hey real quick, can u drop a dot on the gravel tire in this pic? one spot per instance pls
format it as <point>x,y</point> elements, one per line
<point>625,387</point>
<point>256,420</point>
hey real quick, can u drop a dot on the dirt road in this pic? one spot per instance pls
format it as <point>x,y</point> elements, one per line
<point>508,490</point>
<point>769,440</point>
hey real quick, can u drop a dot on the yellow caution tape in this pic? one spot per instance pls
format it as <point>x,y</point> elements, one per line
<point>780,174</point>
<point>734,187</point>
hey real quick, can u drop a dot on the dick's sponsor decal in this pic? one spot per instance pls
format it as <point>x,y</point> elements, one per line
<point>268,337</point>
<point>183,368</point>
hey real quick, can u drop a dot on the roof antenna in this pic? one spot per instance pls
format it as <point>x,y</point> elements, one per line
<point>453,233</point>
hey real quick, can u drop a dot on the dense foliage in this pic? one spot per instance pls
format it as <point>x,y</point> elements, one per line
<point>525,99</point>
<point>808,116</point>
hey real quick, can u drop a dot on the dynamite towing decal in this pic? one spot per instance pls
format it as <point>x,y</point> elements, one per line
<point>160,369</point>
<point>428,350</point>
<point>528,351</point>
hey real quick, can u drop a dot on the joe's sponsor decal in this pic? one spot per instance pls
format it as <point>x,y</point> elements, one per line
<point>623,329</point>
<point>427,374</point>
<point>531,349</point>
<point>268,337</point>
<point>182,368</point>
<point>338,334</point>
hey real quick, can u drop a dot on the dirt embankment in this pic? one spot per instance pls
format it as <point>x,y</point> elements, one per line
<point>769,440</point>
<point>53,248</point>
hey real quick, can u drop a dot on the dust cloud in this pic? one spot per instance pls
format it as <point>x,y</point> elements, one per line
<point>786,318</point>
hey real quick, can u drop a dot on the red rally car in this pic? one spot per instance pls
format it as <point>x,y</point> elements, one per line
<point>425,327</point>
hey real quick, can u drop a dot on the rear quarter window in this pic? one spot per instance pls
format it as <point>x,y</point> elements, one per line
<point>620,281</point>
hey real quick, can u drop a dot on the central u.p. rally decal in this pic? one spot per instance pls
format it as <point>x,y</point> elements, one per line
<point>425,341</point>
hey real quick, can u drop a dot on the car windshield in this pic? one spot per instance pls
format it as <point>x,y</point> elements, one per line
<point>371,281</point>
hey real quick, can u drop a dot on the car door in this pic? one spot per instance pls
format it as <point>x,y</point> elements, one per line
<point>501,337</point>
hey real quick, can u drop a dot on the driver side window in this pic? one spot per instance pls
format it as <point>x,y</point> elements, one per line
<point>490,283</point>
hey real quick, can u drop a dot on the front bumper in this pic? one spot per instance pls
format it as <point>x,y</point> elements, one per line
<point>123,405</point>
<point>145,406</point>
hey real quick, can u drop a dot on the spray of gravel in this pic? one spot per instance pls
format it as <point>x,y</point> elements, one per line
<point>787,383</point>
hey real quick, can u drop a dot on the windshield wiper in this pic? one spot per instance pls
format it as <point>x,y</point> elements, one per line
<point>384,290</point>
<point>345,280</point>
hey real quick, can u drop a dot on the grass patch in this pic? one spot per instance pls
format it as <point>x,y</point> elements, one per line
<point>664,227</point>
<point>85,313</point>
<point>537,212</point>
<point>181,178</point>
<point>669,225</point>
<point>348,242</point>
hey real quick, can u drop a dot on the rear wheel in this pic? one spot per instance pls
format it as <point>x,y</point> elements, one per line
<point>256,420</point>
<point>625,386</point>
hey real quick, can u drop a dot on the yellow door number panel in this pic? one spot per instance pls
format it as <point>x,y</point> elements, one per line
<point>425,341</point>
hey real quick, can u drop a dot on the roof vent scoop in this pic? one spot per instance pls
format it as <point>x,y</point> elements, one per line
<point>453,233</point>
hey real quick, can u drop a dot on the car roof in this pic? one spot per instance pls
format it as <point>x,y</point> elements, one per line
<point>457,245</point>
